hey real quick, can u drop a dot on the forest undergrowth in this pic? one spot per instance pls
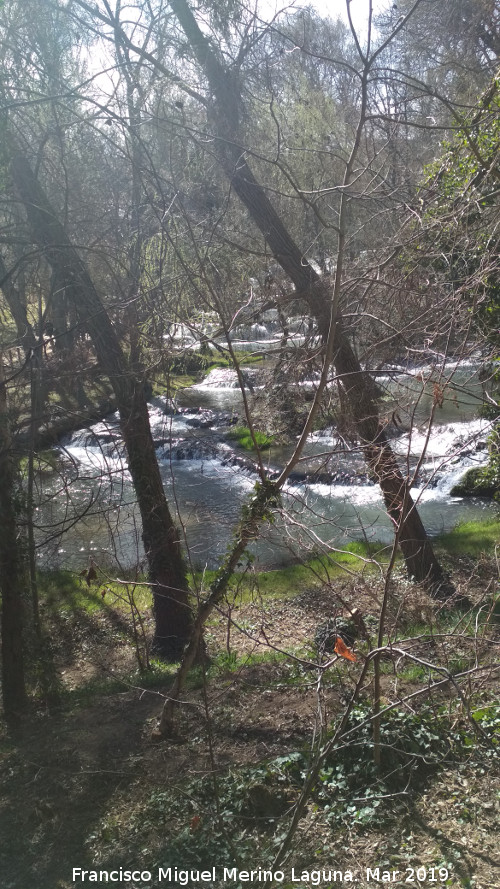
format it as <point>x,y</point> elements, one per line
<point>84,786</point>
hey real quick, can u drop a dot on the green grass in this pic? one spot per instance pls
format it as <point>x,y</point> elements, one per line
<point>243,359</point>
<point>313,573</point>
<point>117,594</point>
<point>413,673</point>
<point>316,571</point>
<point>62,590</point>
<point>183,378</point>
<point>230,662</point>
<point>45,461</point>
<point>471,538</point>
<point>173,384</point>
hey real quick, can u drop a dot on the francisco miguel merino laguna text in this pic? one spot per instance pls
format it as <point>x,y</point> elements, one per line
<point>186,877</point>
<point>232,875</point>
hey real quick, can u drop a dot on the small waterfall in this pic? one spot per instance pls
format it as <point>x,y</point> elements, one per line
<point>226,378</point>
<point>328,496</point>
<point>100,447</point>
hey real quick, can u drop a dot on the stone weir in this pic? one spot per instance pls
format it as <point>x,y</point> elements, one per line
<point>209,441</point>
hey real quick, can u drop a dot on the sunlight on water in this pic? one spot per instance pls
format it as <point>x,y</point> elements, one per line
<point>210,482</point>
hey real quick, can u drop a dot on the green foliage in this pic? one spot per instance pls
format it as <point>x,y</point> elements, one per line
<point>480,481</point>
<point>45,462</point>
<point>241,434</point>
<point>351,790</point>
<point>294,579</point>
<point>190,363</point>
<point>461,243</point>
<point>488,718</point>
<point>461,211</point>
<point>63,590</point>
<point>217,820</point>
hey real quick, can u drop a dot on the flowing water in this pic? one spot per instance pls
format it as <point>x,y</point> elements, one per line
<point>328,498</point>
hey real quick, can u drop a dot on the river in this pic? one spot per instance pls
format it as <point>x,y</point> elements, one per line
<point>207,478</point>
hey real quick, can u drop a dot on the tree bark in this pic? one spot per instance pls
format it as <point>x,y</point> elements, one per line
<point>417,550</point>
<point>33,351</point>
<point>162,546</point>
<point>358,386</point>
<point>25,333</point>
<point>13,686</point>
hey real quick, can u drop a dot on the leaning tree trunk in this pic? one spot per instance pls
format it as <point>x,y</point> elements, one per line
<point>358,386</point>
<point>13,687</point>
<point>225,113</point>
<point>162,545</point>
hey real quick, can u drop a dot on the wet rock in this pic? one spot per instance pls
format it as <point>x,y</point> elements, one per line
<point>227,419</point>
<point>245,463</point>
<point>171,409</point>
<point>338,477</point>
<point>479,481</point>
<point>182,449</point>
<point>206,419</point>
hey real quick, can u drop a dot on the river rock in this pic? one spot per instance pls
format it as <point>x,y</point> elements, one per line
<point>170,408</point>
<point>206,419</point>
<point>184,449</point>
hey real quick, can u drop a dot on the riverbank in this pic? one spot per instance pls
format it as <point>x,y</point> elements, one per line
<point>82,785</point>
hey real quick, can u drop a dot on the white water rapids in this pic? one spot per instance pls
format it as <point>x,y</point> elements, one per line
<point>207,483</point>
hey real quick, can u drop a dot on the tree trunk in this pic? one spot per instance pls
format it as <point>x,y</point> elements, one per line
<point>58,312</point>
<point>13,687</point>
<point>417,550</point>
<point>162,546</point>
<point>358,386</point>
<point>33,351</point>
<point>25,333</point>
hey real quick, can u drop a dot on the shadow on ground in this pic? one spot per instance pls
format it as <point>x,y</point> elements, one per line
<point>57,775</point>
